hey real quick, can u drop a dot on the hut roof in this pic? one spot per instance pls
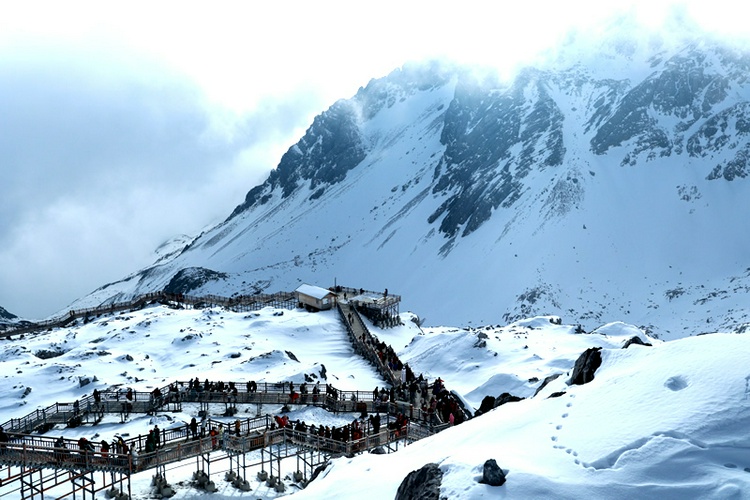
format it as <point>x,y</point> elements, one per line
<point>315,292</point>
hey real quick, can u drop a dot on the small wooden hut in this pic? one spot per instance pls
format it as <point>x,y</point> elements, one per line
<point>314,297</point>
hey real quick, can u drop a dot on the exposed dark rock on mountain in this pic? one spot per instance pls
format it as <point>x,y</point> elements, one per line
<point>506,398</point>
<point>689,90</point>
<point>334,144</point>
<point>190,279</point>
<point>5,315</point>
<point>483,128</point>
<point>330,148</point>
<point>488,403</point>
<point>491,402</point>
<point>492,474</point>
<point>546,381</point>
<point>422,484</point>
<point>634,340</point>
<point>10,320</point>
<point>586,365</point>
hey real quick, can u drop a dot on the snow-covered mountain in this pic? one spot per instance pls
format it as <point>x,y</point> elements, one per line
<point>8,320</point>
<point>596,187</point>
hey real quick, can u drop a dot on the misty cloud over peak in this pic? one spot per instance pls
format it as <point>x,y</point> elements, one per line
<point>103,159</point>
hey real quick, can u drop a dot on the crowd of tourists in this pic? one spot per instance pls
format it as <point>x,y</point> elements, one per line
<point>411,397</point>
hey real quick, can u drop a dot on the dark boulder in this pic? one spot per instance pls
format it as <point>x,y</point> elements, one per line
<point>422,484</point>
<point>506,398</point>
<point>547,380</point>
<point>492,474</point>
<point>318,470</point>
<point>292,356</point>
<point>488,403</point>
<point>635,340</point>
<point>586,365</point>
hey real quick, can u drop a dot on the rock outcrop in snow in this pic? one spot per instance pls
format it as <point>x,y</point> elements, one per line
<point>421,484</point>
<point>586,366</point>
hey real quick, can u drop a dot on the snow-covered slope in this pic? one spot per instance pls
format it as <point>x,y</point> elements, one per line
<point>657,422</point>
<point>600,188</point>
<point>667,421</point>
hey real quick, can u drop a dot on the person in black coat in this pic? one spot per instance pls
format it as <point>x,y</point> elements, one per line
<point>4,440</point>
<point>194,428</point>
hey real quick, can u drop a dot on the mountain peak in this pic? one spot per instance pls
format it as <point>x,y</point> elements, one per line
<point>6,316</point>
<point>589,191</point>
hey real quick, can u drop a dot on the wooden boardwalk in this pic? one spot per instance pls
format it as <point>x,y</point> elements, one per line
<point>40,463</point>
<point>243,303</point>
<point>29,454</point>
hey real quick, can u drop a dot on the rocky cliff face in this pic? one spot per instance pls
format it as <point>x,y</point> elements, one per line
<point>565,190</point>
<point>681,105</point>
<point>6,316</point>
<point>492,139</point>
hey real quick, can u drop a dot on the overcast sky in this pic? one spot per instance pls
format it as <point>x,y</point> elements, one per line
<point>124,124</point>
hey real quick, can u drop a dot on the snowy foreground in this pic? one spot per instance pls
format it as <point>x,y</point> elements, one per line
<point>668,421</point>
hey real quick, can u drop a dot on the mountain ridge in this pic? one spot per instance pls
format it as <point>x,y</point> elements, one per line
<point>558,184</point>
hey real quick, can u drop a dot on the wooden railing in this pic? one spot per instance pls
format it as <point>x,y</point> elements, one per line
<point>178,444</point>
<point>243,303</point>
<point>356,328</point>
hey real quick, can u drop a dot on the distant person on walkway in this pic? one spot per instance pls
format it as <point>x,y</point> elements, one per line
<point>133,458</point>
<point>194,428</point>
<point>4,440</point>
<point>375,422</point>
<point>85,448</point>
<point>60,450</point>
<point>316,392</point>
<point>157,437</point>
<point>214,437</point>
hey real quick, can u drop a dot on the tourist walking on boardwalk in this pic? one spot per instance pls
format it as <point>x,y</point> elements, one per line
<point>375,422</point>
<point>157,437</point>
<point>4,440</point>
<point>316,392</point>
<point>133,458</point>
<point>203,427</point>
<point>214,437</point>
<point>194,428</point>
<point>60,450</point>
